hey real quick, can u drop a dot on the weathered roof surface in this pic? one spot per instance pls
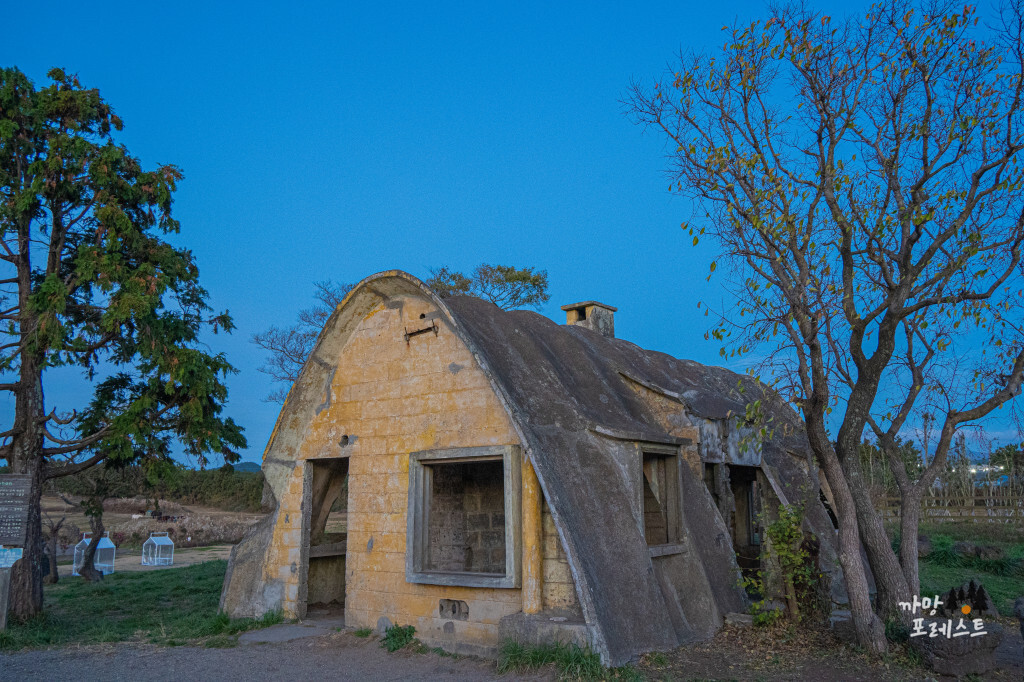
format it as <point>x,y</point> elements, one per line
<point>562,383</point>
<point>579,366</point>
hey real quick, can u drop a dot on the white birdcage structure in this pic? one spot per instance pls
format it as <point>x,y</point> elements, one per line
<point>158,550</point>
<point>103,561</point>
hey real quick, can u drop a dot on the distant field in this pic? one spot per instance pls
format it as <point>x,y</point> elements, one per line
<point>192,525</point>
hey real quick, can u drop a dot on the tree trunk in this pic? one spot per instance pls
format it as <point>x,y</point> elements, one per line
<point>88,568</point>
<point>51,550</point>
<point>791,602</point>
<point>26,595</point>
<point>870,631</point>
<point>910,519</point>
<point>890,581</point>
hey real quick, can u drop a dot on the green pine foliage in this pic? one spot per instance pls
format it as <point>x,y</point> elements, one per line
<point>89,281</point>
<point>219,488</point>
<point>98,287</point>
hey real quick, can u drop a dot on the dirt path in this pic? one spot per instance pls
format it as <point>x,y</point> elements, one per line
<point>331,655</point>
<point>337,656</point>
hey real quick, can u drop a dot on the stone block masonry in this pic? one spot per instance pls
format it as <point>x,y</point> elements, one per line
<point>467,518</point>
<point>559,589</point>
<point>391,398</point>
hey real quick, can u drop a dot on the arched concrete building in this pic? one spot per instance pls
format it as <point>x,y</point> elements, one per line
<point>511,477</point>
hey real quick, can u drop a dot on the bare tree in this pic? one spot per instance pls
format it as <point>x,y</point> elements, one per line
<point>861,178</point>
<point>99,482</point>
<point>288,347</point>
<point>52,538</point>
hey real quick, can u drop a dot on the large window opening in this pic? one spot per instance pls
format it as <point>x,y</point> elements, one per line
<point>467,518</point>
<point>661,499</point>
<point>464,510</point>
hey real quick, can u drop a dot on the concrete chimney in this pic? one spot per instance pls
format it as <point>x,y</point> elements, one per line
<point>592,315</point>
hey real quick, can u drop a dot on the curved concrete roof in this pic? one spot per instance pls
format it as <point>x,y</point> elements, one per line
<point>566,389</point>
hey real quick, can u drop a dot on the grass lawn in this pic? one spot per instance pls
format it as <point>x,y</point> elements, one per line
<point>1003,578</point>
<point>172,607</point>
<point>1003,589</point>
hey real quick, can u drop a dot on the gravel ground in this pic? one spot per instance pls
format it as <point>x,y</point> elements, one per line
<point>338,656</point>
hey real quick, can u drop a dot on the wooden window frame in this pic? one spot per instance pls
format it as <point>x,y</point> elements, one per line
<point>674,514</point>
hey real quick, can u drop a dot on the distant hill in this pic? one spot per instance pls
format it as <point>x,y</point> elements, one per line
<point>248,467</point>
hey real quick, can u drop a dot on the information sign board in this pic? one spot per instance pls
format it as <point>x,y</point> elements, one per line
<point>14,494</point>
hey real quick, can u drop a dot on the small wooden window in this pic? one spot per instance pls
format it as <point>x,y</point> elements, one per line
<point>661,500</point>
<point>710,480</point>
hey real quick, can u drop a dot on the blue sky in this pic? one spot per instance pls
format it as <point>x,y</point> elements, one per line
<point>335,140</point>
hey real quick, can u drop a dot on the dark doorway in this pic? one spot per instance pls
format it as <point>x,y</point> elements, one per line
<point>745,522</point>
<point>325,582</point>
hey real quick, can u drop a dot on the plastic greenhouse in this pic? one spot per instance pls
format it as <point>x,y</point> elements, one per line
<point>158,550</point>
<point>104,559</point>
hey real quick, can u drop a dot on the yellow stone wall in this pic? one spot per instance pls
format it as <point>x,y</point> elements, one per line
<point>672,417</point>
<point>391,398</point>
<point>559,590</point>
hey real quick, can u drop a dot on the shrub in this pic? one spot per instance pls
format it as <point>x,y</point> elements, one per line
<point>792,564</point>
<point>764,613</point>
<point>222,488</point>
<point>897,631</point>
<point>397,637</point>
<point>944,554</point>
